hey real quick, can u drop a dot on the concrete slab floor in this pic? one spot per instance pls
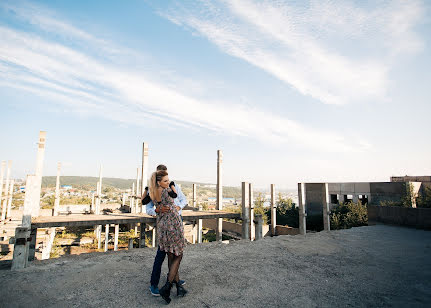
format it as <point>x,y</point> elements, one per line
<point>374,266</point>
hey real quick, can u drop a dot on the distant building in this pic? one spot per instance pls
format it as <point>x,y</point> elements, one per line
<point>373,193</point>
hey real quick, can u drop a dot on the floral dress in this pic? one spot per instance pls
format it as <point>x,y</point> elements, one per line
<point>170,230</point>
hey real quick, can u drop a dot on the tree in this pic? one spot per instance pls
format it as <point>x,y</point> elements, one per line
<point>258,207</point>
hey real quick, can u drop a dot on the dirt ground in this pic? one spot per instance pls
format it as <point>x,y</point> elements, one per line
<point>375,266</point>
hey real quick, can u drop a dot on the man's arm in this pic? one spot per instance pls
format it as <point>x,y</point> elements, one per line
<point>150,209</point>
<point>181,199</point>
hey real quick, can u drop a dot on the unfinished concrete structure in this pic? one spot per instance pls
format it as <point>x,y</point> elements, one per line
<point>219,194</point>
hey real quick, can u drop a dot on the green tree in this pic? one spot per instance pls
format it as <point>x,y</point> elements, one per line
<point>345,216</point>
<point>424,199</point>
<point>259,201</point>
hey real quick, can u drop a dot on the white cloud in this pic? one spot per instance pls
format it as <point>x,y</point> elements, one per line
<point>334,51</point>
<point>99,86</point>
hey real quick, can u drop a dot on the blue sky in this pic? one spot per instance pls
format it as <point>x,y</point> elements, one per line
<point>290,91</point>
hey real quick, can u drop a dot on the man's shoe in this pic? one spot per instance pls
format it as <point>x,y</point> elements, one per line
<point>154,291</point>
<point>181,283</point>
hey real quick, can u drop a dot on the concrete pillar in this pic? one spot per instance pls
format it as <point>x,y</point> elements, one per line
<point>251,216</point>
<point>219,229</point>
<point>31,199</point>
<point>32,245</point>
<point>144,174</point>
<point>154,236</point>
<point>137,191</point>
<point>3,167</point>
<point>106,236</point>
<point>20,251</point>
<point>39,169</point>
<point>326,212</point>
<point>341,198</point>
<point>6,191</point>
<point>245,210</point>
<point>142,235</point>
<point>98,205</point>
<point>302,203</point>
<point>130,243</point>
<point>132,199</point>
<point>273,211</point>
<point>57,191</point>
<point>117,231</point>
<point>9,204</point>
<point>259,226</point>
<point>355,198</point>
<point>199,228</point>
<point>194,195</point>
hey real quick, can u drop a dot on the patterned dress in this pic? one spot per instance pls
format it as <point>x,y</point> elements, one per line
<point>170,230</point>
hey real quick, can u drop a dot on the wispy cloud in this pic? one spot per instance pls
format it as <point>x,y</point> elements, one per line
<point>70,76</point>
<point>334,51</point>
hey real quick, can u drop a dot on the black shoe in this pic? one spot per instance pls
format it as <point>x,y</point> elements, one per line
<point>165,292</point>
<point>180,290</point>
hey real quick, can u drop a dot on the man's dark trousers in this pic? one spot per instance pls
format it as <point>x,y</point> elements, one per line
<point>157,267</point>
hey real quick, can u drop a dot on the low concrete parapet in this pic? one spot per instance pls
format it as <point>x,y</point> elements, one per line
<point>404,216</point>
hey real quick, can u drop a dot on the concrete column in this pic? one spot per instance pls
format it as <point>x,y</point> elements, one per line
<point>98,205</point>
<point>57,191</point>
<point>132,199</point>
<point>130,243</point>
<point>92,209</point>
<point>142,235</point>
<point>259,226</point>
<point>199,228</point>
<point>32,245</point>
<point>355,198</point>
<point>273,211</point>
<point>31,199</point>
<point>3,167</point>
<point>9,204</point>
<point>144,174</point>
<point>194,195</point>
<point>326,201</point>
<point>117,231</point>
<point>137,191</point>
<point>341,198</point>
<point>245,202</point>
<point>6,191</point>
<point>154,236</point>
<point>219,229</point>
<point>106,236</point>
<point>251,202</point>
<point>302,214</point>
<point>39,169</point>
<point>20,251</point>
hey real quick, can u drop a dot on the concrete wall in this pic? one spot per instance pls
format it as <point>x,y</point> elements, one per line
<point>231,226</point>
<point>412,217</point>
<point>284,230</point>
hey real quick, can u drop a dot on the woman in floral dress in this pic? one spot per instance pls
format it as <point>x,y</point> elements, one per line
<point>170,230</point>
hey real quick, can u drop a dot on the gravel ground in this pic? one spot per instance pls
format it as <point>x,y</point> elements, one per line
<point>374,266</point>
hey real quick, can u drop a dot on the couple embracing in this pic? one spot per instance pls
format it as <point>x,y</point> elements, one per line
<point>165,200</point>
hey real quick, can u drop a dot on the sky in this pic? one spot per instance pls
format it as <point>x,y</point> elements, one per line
<point>289,91</point>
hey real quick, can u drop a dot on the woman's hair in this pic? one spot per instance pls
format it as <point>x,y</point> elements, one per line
<point>156,177</point>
